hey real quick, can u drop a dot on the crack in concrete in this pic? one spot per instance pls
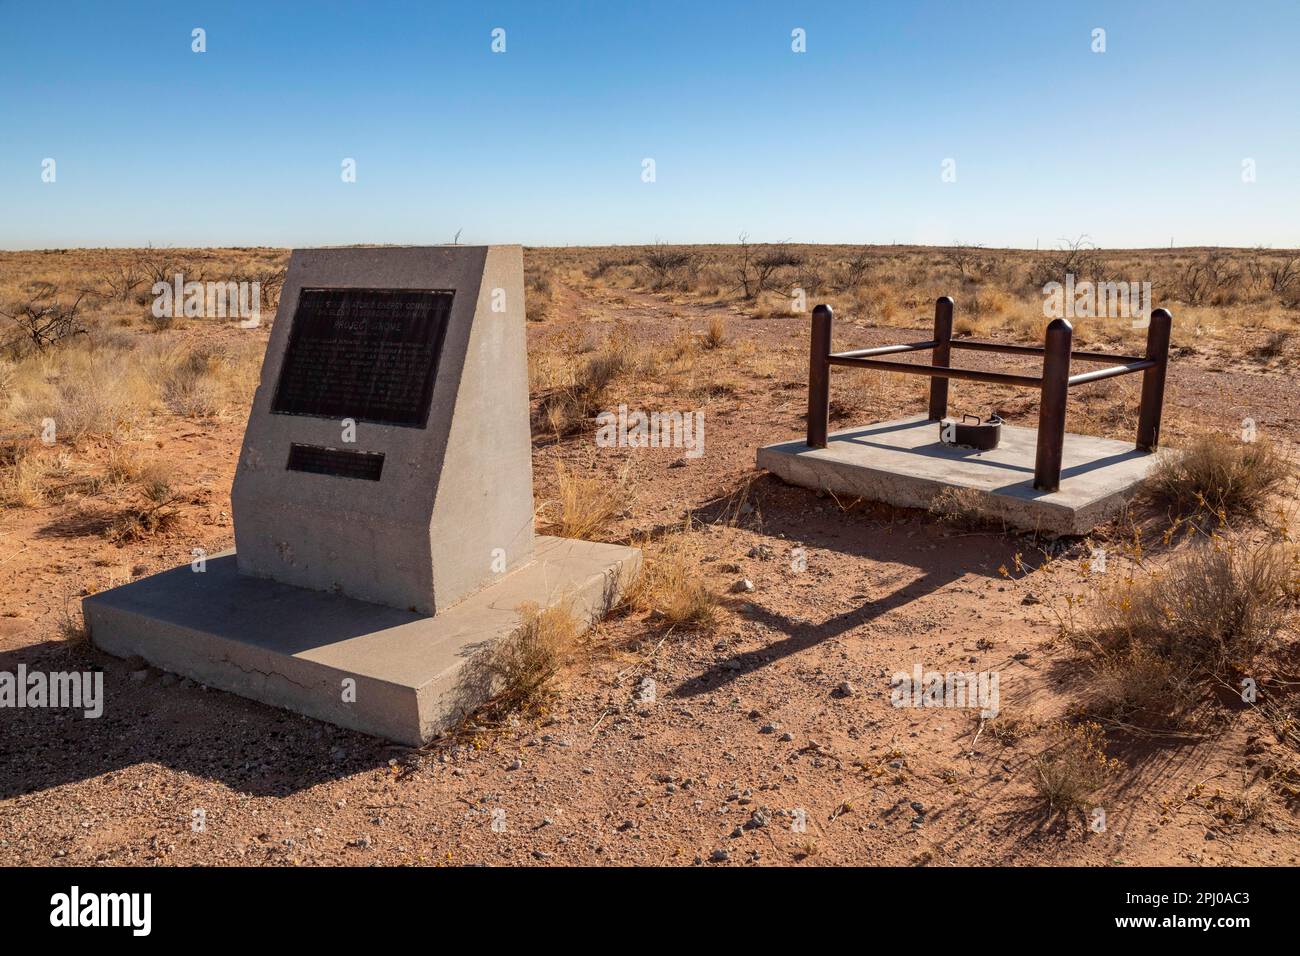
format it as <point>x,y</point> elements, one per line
<point>254,670</point>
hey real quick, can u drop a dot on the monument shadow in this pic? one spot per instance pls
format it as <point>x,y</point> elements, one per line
<point>249,747</point>
<point>785,514</point>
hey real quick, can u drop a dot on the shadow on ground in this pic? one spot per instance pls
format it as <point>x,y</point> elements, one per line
<point>881,535</point>
<point>247,746</point>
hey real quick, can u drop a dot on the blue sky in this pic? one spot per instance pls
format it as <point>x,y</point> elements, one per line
<point>544,144</point>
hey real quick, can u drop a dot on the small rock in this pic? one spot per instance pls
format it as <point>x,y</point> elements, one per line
<point>744,585</point>
<point>1030,598</point>
<point>719,856</point>
<point>645,691</point>
<point>845,689</point>
<point>786,737</point>
<point>767,729</point>
<point>516,764</point>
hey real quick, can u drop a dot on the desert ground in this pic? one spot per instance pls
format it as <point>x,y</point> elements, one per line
<point>769,618</point>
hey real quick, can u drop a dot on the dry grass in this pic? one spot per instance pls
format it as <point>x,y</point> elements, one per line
<point>999,292</point>
<point>72,624</point>
<point>672,588</point>
<point>1217,477</point>
<point>539,294</point>
<point>1157,640</point>
<point>1008,730</point>
<point>114,364</point>
<point>1074,767</point>
<point>85,388</point>
<point>1274,346</point>
<point>122,466</point>
<point>577,394</point>
<point>715,336</point>
<point>106,382</point>
<point>585,503</point>
<point>94,393</point>
<point>192,385</point>
<point>156,510</point>
<point>1136,681</point>
<point>22,476</point>
<point>519,672</point>
<point>959,508</point>
<point>107,386</point>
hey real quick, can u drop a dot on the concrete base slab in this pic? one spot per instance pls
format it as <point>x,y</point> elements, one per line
<point>902,462</point>
<point>294,648</point>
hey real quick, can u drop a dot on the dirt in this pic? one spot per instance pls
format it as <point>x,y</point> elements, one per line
<point>753,750</point>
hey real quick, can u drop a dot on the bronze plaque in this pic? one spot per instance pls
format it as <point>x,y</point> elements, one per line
<point>364,465</point>
<point>366,354</point>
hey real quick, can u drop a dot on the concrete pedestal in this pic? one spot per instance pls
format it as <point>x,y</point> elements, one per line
<point>902,462</point>
<point>296,648</point>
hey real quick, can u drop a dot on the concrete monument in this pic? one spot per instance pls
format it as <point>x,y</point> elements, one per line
<point>383,503</point>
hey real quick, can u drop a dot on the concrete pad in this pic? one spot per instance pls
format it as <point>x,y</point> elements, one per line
<point>293,647</point>
<point>902,462</point>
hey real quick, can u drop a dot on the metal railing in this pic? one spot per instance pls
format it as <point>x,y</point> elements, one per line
<point>1054,383</point>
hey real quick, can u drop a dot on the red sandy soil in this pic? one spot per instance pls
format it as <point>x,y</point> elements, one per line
<point>603,778</point>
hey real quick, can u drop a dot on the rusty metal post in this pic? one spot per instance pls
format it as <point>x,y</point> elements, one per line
<point>819,377</point>
<point>942,356</point>
<point>1051,408</point>
<point>1153,380</point>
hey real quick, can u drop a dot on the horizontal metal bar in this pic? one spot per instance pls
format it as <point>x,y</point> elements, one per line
<point>1135,366</point>
<point>972,346</point>
<point>938,371</point>
<point>885,350</point>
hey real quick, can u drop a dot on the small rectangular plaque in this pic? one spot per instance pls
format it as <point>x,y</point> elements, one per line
<point>366,354</point>
<point>365,465</point>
